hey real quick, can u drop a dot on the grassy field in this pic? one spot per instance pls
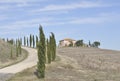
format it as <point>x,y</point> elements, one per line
<point>78,64</point>
<point>5,54</point>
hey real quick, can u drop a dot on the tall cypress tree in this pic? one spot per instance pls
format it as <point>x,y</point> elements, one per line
<point>7,39</point>
<point>30,40</point>
<point>20,41</point>
<point>24,41</point>
<point>41,54</point>
<point>51,48</point>
<point>48,51</point>
<point>17,48</point>
<point>36,40</point>
<point>11,53</point>
<point>89,43</point>
<point>53,44</point>
<point>33,41</point>
<point>27,42</point>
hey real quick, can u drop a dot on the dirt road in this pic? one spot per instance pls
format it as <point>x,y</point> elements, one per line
<point>27,63</point>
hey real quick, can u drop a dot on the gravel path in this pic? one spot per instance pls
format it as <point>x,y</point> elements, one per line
<point>31,60</point>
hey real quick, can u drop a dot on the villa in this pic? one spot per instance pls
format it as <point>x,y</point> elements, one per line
<point>67,42</point>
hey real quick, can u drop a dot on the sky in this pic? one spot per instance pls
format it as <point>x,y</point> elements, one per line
<point>94,20</point>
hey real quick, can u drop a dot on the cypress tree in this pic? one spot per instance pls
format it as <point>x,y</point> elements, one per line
<point>20,41</point>
<point>53,44</point>
<point>33,41</point>
<point>3,39</point>
<point>14,42</point>
<point>19,47</point>
<point>51,48</point>
<point>41,54</point>
<point>16,48</point>
<point>48,52</point>
<point>89,43</point>
<point>24,41</point>
<point>36,40</point>
<point>11,53</point>
<point>7,39</point>
<point>30,40</point>
<point>27,42</point>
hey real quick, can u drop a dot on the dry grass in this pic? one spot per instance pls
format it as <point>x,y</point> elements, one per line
<point>5,58</point>
<point>78,64</point>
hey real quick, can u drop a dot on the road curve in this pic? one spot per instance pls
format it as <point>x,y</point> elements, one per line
<point>30,61</point>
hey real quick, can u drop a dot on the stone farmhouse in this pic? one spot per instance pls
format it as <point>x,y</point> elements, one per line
<point>67,42</point>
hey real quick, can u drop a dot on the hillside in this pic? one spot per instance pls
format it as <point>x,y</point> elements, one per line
<point>5,54</point>
<point>5,49</point>
<point>78,64</point>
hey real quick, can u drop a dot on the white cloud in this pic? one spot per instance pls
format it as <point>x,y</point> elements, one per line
<point>53,21</point>
<point>110,14</point>
<point>17,25</point>
<point>4,7</point>
<point>100,19</point>
<point>8,32</point>
<point>71,6</point>
<point>50,13</point>
<point>3,17</point>
<point>92,20</point>
<point>19,1</point>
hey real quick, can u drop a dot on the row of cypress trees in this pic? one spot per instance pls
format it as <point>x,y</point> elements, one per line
<point>46,48</point>
<point>18,48</point>
<point>30,41</point>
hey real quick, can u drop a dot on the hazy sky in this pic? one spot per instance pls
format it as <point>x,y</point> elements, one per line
<point>78,19</point>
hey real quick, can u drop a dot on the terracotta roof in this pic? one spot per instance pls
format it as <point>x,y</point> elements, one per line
<point>67,39</point>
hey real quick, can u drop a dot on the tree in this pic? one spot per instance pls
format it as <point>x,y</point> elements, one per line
<point>48,51</point>
<point>27,42</point>
<point>71,44</point>
<point>20,41</point>
<point>3,39</point>
<point>24,41</point>
<point>36,40</point>
<point>11,53</point>
<point>41,54</point>
<point>7,39</point>
<point>53,46</point>
<point>79,43</point>
<point>17,48</point>
<point>30,40</point>
<point>89,43</point>
<point>33,41</point>
<point>10,41</point>
<point>96,44</point>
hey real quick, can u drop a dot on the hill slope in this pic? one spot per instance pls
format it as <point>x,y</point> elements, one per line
<point>5,54</point>
<point>79,64</point>
<point>5,50</point>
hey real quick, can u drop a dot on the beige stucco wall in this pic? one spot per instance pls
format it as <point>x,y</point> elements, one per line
<point>66,43</point>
